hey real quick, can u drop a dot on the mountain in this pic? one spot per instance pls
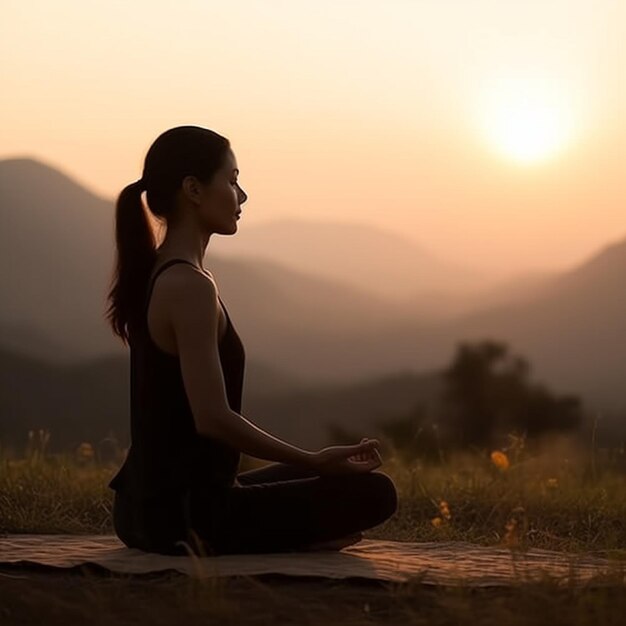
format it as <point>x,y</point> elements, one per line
<point>440,305</point>
<point>305,416</point>
<point>57,250</point>
<point>89,402</point>
<point>300,328</point>
<point>56,254</point>
<point>364,256</point>
<point>574,329</point>
<point>571,327</point>
<point>75,403</point>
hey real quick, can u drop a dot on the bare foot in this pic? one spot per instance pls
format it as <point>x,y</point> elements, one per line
<point>334,544</point>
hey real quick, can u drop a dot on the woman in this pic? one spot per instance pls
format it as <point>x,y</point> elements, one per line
<point>179,487</point>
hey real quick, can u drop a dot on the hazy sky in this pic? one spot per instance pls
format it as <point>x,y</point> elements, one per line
<point>490,131</point>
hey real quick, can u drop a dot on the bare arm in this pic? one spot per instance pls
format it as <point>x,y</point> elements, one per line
<point>193,308</point>
<point>246,436</point>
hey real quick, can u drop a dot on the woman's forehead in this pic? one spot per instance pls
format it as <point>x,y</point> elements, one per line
<point>231,162</point>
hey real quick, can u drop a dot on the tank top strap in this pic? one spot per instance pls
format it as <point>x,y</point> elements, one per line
<point>161,269</point>
<point>164,267</point>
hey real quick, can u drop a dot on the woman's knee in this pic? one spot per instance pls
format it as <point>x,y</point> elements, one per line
<point>377,493</point>
<point>385,493</point>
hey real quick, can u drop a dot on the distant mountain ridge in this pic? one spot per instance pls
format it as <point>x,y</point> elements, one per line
<point>368,257</point>
<point>89,402</point>
<point>56,254</point>
<point>56,248</point>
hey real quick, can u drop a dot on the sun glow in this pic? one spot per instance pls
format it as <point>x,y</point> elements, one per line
<point>527,120</point>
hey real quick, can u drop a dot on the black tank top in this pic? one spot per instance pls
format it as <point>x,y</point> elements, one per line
<point>167,456</point>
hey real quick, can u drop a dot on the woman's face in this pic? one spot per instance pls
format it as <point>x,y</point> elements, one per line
<point>221,199</point>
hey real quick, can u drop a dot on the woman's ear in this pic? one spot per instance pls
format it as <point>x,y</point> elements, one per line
<point>192,189</point>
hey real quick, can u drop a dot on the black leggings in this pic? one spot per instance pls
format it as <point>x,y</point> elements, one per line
<point>276,508</point>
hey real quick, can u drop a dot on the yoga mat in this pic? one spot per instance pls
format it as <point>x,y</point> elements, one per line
<point>436,563</point>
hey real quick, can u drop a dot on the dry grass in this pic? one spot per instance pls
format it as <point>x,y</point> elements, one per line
<point>552,500</point>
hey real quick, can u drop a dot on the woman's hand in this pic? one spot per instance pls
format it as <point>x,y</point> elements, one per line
<point>353,459</point>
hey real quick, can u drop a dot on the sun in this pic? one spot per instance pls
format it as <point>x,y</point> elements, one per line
<point>527,120</point>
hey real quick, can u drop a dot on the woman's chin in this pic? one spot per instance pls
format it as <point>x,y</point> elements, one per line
<point>228,229</point>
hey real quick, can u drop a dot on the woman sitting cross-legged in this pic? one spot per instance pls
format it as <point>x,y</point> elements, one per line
<point>180,486</point>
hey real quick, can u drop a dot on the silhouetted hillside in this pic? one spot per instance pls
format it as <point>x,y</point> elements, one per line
<point>78,403</point>
<point>368,257</point>
<point>90,401</point>
<point>56,256</point>
<point>574,330</point>
<point>304,416</point>
<point>56,249</point>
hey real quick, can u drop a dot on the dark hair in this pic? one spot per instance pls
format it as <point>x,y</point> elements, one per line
<point>176,153</point>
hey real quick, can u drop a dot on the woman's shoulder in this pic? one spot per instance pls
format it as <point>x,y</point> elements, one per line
<point>179,273</point>
<point>184,285</point>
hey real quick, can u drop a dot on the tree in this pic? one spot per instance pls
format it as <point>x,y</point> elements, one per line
<point>488,393</point>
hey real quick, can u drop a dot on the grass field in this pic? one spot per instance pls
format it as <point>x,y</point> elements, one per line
<point>561,498</point>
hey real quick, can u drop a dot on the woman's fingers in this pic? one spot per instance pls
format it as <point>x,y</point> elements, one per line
<point>372,456</point>
<point>368,444</point>
<point>360,448</point>
<point>361,462</point>
<point>361,457</point>
<point>368,464</point>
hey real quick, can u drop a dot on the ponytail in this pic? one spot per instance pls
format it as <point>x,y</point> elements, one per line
<point>136,255</point>
<point>175,153</point>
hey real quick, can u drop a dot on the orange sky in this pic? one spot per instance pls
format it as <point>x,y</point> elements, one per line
<point>419,116</point>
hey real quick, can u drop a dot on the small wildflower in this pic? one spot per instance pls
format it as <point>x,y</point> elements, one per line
<point>511,537</point>
<point>444,509</point>
<point>500,460</point>
<point>84,452</point>
<point>515,528</point>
